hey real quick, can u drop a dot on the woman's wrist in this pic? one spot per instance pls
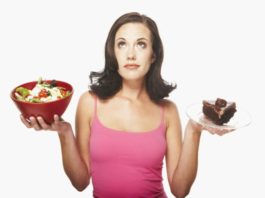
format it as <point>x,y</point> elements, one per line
<point>194,127</point>
<point>66,133</point>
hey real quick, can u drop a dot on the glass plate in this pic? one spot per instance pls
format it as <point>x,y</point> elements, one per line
<point>240,119</point>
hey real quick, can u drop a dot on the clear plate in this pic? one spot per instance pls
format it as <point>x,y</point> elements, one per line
<point>240,119</point>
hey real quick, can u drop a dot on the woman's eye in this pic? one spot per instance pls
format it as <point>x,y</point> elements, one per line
<point>121,44</point>
<point>142,45</point>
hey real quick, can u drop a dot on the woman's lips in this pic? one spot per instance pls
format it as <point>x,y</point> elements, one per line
<point>131,66</point>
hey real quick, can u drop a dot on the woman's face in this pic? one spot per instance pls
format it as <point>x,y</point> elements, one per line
<point>133,50</point>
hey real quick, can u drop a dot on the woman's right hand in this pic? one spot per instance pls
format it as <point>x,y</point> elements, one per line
<point>38,124</point>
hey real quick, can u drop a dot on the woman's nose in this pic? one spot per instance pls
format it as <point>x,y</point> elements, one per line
<point>131,53</point>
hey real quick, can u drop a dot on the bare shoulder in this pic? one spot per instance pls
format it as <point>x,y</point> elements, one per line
<point>170,107</point>
<point>87,98</point>
<point>171,112</point>
<point>86,104</point>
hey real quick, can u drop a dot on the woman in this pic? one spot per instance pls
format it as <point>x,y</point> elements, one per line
<point>124,126</point>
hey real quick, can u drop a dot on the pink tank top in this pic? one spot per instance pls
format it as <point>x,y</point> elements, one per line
<point>127,164</point>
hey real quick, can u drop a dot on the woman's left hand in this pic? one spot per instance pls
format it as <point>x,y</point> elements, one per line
<point>213,130</point>
<point>218,131</point>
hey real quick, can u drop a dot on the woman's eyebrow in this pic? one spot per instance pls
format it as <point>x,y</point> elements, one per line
<point>120,38</point>
<point>139,39</point>
<point>142,38</point>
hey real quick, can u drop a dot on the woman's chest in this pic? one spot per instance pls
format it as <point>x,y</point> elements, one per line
<point>147,149</point>
<point>130,118</point>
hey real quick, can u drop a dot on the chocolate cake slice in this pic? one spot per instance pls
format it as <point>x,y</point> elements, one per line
<point>219,111</point>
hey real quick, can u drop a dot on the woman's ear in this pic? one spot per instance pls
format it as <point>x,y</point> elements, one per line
<point>153,58</point>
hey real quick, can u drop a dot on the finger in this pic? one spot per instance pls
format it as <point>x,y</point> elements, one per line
<point>56,122</point>
<point>209,129</point>
<point>227,131</point>
<point>42,123</point>
<point>212,132</point>
<point>56,119</point>
<point>25,121</point>
<point>220,133</point>
<point>34,123</point>
<point>230,130</point>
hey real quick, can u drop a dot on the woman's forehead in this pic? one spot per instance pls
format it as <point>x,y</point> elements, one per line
<point>133,31</point>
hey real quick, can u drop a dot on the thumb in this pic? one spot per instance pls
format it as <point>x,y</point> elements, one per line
<point>56,119</point>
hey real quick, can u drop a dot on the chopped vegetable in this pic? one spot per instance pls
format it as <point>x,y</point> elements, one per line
<point>23,92</point>
<point>42,92</point>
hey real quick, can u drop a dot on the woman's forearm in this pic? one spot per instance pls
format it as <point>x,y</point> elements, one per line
<point>74,166</point>
<point>186,171</point>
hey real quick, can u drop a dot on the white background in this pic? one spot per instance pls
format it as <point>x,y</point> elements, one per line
<point>212,49</point>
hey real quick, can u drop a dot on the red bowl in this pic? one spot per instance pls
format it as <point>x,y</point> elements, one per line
<point>46,109</point>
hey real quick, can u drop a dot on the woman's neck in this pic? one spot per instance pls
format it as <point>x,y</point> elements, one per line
<point>133,90</point>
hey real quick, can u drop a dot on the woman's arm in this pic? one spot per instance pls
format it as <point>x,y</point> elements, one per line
<point>75,149</point>
<point>186,170</point>
<point>181,157</point>
<point>75,166</point>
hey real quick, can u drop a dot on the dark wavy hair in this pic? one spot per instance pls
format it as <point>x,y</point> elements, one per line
<point>108,82</point>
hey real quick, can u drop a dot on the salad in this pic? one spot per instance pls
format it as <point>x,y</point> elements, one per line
<point>42,92</point>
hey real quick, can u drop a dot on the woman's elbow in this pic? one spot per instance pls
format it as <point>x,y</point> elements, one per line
<point>180,193</point>
<point>81,186</point>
